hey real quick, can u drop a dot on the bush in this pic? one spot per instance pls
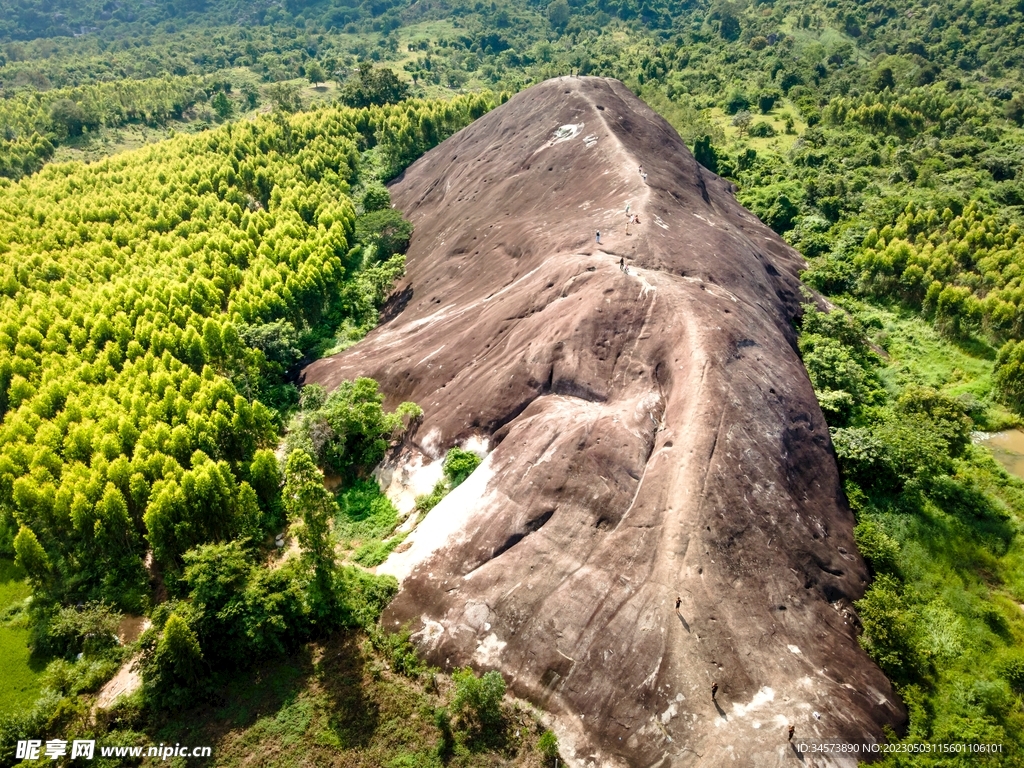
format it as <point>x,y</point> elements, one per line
<point>762,130</point>
<point>386,230</point>
<point>704,152</point>
<point>782,214</point>
<point>945,413</point>
<point>862,458</point>
<point>373,553</point>
<point>399,650</point>
<point>1009,374</point>
<point>458,465</point>
<point>766,101</point>
<point>349,431</point>
<point>891,631</point>
<point>478,699</point>
<point>176,666</point>
<point>376,198</point>
<point>878,548</point>
<point>428,501</point>
<point>373,85</point>
<point>366,513</point>
<point>88,630</point>
<point>548,745</point>
<point>363,596</point>
<point>1011,669</point>
<point>737,101</point>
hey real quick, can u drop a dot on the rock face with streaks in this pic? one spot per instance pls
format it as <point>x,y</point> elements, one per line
<point>653,436</point>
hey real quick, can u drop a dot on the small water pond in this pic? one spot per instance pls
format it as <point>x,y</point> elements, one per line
<point>1007,447</point>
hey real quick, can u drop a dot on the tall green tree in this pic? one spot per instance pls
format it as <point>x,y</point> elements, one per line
<point>31,556</point>
<point>308,500</point>
<point>315,73</point>
<point>177,665</point>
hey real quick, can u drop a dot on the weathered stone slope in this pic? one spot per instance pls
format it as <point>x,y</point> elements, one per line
<point>654,435</point>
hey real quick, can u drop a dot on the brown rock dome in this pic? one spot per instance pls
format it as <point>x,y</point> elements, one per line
<point>654,435</point>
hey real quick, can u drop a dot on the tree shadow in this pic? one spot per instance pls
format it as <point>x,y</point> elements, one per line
<point>975,347</point>
<point>240,699</point>
<point>341,672</point>
<point>281,692</point>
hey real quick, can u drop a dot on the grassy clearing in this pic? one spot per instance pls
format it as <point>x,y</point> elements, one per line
<point>19,672</point>
<point>780,143</point>
<point>917,354</point>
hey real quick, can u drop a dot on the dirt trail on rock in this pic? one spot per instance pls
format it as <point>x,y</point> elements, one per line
<point>654,437</point>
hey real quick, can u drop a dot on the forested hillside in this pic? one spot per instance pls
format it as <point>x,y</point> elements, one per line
<point>155,302</point>
<point>155,305</point>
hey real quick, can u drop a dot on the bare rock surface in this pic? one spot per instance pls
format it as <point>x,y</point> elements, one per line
<point>653,435</point>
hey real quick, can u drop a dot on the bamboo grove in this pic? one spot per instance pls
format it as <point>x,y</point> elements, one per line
<point>147,303</point>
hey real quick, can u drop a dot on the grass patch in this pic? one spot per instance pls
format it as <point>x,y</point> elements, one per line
<point>341,703</point>
<point>367,515</point>
<point>20,672</point>
<point>917,354</point>
<point>376,552</point>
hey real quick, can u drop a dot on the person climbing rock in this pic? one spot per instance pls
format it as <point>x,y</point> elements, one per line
<point>792,729</point>
<point>598,237</point>
<point>714,691</point>
<point>679,601</point>
<point>622,264</point>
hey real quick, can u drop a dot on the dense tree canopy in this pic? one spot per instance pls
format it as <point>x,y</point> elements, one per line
<point>142,325</point>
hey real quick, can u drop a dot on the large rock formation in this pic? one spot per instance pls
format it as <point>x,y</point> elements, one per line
<point>654,435</point>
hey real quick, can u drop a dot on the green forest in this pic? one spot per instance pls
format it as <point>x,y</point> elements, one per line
<point>192,205</point>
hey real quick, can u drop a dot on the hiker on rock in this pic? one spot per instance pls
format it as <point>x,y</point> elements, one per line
<point>622,264</point>
<point>792,729</point>
<point>599,237</point>
<point>714,691</point>
<point>679,601</point>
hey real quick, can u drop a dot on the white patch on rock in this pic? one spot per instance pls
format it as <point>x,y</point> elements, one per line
<point>762,697</point>
<point>669,713</point>
<point>478,444</point>
<point>476,615</point>
<point>446,524</point>
<point>432,441</point>
<point>414,476</point>
<point>566,132</point>
<point>794,649</point>
<point>488,652</point>
<point>421,362</point>
<point>428,637</point>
